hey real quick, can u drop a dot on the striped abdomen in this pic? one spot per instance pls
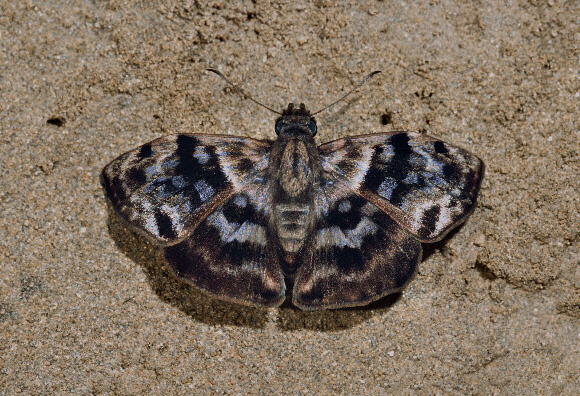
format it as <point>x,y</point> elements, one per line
<point>292,226</point>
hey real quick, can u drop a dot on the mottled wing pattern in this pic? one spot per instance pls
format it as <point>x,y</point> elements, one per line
<point>356,255</point>
<point>204,198</point>
<point>166,187</point>
<point>230,255</point>
<point>426,185</point>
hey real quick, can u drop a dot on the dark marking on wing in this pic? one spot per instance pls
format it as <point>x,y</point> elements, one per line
<point>168,186</point>
<point>354,262</point>
<point>427,186</point>
<point>440,147</point>
<point>400,143</point>
<point>230,256</point>
<point>145,151</point>
<point>165,225</point>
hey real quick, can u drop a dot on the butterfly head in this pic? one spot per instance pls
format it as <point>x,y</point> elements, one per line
<point>296,122</point>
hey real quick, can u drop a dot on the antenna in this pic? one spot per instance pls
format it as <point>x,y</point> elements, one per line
<point>246,96</point>
<point>368,77</point>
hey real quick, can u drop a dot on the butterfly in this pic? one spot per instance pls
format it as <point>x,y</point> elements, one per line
<point>340,223</point>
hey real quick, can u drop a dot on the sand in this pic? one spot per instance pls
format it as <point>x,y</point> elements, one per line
<point>88,307</point>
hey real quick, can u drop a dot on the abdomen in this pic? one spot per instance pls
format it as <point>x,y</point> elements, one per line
<point>292,225</point>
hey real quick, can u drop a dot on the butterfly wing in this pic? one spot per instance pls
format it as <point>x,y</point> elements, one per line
<point>426,185</point>
<point>230,254</point>
<point>168,186</point>
<point>204,198</point>
<point>357,254</point>
<point>380,195</point>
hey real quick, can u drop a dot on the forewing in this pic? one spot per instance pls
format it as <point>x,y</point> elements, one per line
<point>165,188</point>
<point>230,255</point>
<point>357,253</point>
<point>426,185</point>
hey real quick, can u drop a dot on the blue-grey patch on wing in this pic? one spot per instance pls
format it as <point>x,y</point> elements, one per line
<point>201,155</point>
<point>204,190</point>
<point>178,182</point>
<point>241,201</point>
<point>386,188</point>
<point>344,206</point>
<point>412,178</point>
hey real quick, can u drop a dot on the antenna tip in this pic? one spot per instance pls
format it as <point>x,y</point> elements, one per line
<point>213,70</point>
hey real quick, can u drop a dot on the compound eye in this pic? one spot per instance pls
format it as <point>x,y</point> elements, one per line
<point>312,127</point>
<point>279,125</point>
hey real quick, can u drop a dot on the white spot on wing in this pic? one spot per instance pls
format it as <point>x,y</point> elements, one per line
<point>224,227</point>
<point>331,236</point>
<point>445,214</point>
<point>151,225</point>
<point>174,214</point>
<point>249,232</point>
<point>363,228</point>
<point>201,156</point>
<point>334,236</point>
<point>361,166</point>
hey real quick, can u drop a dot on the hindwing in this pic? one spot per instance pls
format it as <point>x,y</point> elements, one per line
<point>356,255</point>
<point>230,254</point>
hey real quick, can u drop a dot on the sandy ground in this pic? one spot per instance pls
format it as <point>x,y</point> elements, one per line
<point>87,307</point>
